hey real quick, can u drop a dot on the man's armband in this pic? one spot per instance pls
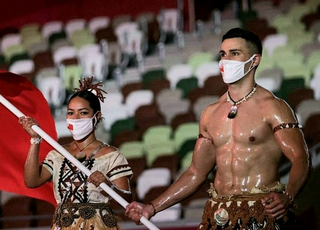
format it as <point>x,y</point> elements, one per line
<point>201,136</point>
<point>286,126</point>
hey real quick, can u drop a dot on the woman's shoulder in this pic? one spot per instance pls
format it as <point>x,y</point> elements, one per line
<point>54,155</point>
<point>106,151</point>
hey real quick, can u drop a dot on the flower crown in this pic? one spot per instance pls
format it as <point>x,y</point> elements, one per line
<point>86,85</point>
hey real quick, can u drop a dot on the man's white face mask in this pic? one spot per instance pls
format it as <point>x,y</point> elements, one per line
<point>233,71</point>
<point>80,128</point>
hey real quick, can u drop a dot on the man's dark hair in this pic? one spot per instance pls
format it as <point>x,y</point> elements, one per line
<point>252,40</point>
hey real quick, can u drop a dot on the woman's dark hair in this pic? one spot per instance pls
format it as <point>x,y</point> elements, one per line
<point>93,100</point>
<point>253,41</point>
<point>86,86</point>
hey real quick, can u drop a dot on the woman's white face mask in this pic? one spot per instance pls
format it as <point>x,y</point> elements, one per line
<point>80,128</point>
<point>233,71</point>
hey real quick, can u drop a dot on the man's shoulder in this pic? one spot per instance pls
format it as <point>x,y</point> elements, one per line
<point>273,106</point>
<point>267,98</point>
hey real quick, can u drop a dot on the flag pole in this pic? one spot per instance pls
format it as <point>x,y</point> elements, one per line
<point>71,158</point>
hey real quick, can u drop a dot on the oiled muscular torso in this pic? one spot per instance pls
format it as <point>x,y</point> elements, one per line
<point>247,154</point>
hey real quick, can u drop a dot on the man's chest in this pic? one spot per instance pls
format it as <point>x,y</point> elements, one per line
<point>247,128</point>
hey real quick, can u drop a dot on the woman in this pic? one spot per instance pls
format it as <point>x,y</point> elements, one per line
<point>81,205</point>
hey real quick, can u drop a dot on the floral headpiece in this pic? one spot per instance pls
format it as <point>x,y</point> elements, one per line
<point>86,84</point>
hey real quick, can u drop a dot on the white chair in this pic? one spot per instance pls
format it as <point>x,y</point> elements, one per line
<point>134,43</point>
<point>93,65</point>
<point>96,23</point>
<point>74,25</point>
<point>168,96</point>
<point>177,72</point>
<point>52,89</point>
<point>87,55</point>
<point>270,79</point>
<point>171,109</point>
<point>169,19</point>
<point>306,108</point>
<point>150,178</point>
<point>137,98</point>
<point>9,40</point>
<point>268,82</point>
<point>112,114</point>
<point>88,49</point>
<point>201,103</point>
<point>112,99</point>
<point>22,66</point>
<point>206,70</point>
<point>272,41</point>
<point>63,53</point>
<point>315,85</point>
<point>122,30</point>
<point>51,28</point>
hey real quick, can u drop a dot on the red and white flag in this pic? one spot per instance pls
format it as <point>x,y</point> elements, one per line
<point>15,142</point>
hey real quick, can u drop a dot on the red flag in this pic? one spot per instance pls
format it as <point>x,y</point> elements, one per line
<point>15,142</point>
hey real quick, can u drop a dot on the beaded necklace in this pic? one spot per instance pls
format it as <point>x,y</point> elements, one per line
<point>234,108</point>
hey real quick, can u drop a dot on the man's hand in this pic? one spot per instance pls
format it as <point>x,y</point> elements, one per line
<point>136,210</point>
<point>276,204</point>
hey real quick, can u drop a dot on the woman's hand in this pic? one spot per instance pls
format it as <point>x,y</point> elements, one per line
<point>97,178</point>
<point>27,123</point>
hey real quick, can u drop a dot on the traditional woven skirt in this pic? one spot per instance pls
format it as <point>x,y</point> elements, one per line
<point>243,212</point>
<point>239,212</point>
<point>82,216</point>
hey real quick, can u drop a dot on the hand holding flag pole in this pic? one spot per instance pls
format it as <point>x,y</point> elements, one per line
<point>71,158</point>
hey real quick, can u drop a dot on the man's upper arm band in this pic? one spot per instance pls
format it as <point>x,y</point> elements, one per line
<point>201,136</point>
<point>286,126</point>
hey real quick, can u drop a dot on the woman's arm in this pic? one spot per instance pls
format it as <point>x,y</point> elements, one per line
<point>34,174</point>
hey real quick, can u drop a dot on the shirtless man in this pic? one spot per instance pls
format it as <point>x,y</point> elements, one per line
<point>244,136</point>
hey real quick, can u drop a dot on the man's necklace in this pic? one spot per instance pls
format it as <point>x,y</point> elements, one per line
<point>234,108</point>
<point>81,156</point>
